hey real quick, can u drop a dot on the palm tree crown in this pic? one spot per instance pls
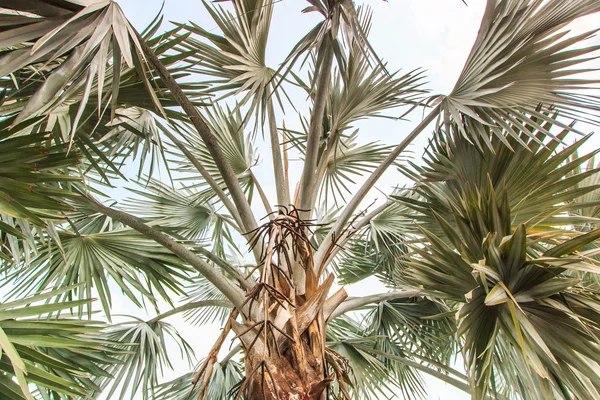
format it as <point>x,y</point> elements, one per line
<point>490,254</point>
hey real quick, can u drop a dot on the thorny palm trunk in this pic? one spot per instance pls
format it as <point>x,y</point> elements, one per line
<point>283,333</point>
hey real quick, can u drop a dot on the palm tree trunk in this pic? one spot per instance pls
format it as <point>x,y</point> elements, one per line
<point>283,331</point>
<point>285,377</point>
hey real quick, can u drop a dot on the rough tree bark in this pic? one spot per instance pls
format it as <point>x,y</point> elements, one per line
<point>283,332</point>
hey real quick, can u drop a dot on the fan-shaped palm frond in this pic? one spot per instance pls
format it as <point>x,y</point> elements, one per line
<point>370,362</point>
<point>74,104</point>
<point>379,246</point>
<point>59,356</point>
<point>148,356</point>
<point>364,90</point>
<point>30,170</point>
<point>341,18</point>
<point>418,327</point>
<point>526,303</point>
<point>517,62</point>
<point>347,162</point>
<point>342,26</point>
<point>184,211</point>
<point>201,290</point>
<point>495,252</point>
<point>411,329</point>
<point>225,378</point>
<point>535,182</point>
<point>590,198</point>
<point>136,131</point>
<point>189,214</point>
<point>35,174</point>
<point>93,260</point>
<point>83,36</point>
<point>228,128</point>
<point>521,59</point>
<point>368,376</point>
<point>234,60</point>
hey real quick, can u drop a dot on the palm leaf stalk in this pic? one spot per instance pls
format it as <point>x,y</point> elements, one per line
<point>491,253</point>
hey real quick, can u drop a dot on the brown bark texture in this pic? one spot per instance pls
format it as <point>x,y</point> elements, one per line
<point>283,332</point>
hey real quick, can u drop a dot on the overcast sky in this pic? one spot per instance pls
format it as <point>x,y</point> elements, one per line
<point>435,35</point>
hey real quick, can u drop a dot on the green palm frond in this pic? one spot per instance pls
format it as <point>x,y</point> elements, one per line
<point>134,131</point>
<point>187,213</point>
<point>235,60</point>
<point>94,260</point>
<point>535,308</point>
<point>363,90</point>
<point>491,244</point>
<point>521,58</point>
<point>368,376</point>
<point>59,356</point>
<point>34,178</point>
<point>225,379</point>
<point>148,356</point>
<point>417,327</point>
<point>588,207</point>
<point>228,128</point>
<point>360,260</point>
<point>412,329</point>
<point>342,25</point>
<point>77,114</point>
<point>85,38</point>
<point>590,199</point>
<point>200,290</point>
<point>30,172</point>
<point>342,162</point>
<point>371,363</point>
<point>347,163</point>
<point>536,182</point>
<point>379,248</point>
<point>184,211</point>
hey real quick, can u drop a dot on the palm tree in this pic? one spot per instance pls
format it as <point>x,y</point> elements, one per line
<point>491,254</point>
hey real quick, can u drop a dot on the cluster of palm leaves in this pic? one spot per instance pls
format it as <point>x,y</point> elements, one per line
<point>489,260</point>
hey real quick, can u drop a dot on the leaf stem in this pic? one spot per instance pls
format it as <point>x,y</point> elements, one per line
<point>354,303</point>
<point>423,368</point>
<point>262,195</point>
<point>224,285</point>
<point>208,178</point>
<point>315,129</point>
<point>191,306</point>
<point>229,176</point>
<point>281,185</point>
<point>366,187</point>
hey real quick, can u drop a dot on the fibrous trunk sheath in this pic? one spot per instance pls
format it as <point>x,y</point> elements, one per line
<point>283,332</point>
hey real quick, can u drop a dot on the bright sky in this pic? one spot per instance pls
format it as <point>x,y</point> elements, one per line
<point>435,35</point>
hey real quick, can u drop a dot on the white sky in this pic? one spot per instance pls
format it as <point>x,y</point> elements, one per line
<point>435,35</point>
